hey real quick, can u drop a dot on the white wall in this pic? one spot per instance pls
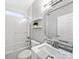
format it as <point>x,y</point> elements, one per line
<point>15,35</point>
<point>35,10</point>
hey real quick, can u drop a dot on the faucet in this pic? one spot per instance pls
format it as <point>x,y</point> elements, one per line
<point>56,44</point>
<point>53,43</point>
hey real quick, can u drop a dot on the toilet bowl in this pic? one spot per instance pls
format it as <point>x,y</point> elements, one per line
<point>26,54</point>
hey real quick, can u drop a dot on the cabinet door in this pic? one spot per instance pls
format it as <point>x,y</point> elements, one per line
<point>65,27</point>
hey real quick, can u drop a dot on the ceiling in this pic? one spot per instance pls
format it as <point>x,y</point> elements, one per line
<point>19,6</point>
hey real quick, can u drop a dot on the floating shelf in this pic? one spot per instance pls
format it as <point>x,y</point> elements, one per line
<point>37,27</point>
<point>37,19</point>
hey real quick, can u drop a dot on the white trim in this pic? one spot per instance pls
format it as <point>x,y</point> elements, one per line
<point>37,18</point>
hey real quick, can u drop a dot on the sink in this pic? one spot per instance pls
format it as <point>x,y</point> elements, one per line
<point>44,50</point>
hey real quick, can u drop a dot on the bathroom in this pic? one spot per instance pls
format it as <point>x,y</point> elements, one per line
<point>38,29</point>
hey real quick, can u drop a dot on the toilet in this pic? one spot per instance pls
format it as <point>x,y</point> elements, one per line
<point>26,54</point>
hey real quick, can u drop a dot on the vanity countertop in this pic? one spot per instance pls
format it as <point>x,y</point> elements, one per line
<point>37,48</point>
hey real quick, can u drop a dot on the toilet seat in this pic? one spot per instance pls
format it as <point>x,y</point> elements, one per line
<point>24,54</point>
<point>34,43</point>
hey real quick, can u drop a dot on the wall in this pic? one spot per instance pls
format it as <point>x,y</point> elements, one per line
<point>15,33</point>
<point>35,10</point>
<point>29,12</point>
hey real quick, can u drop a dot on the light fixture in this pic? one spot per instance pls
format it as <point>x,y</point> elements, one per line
<point>12,13</point>
<point>45,4</point>
<point>48,3</point>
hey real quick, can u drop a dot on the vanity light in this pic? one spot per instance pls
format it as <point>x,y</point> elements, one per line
<point>45,4</point>
<point>49,3</point>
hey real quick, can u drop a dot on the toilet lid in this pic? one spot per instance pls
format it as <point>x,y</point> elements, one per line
<point>24,54</point>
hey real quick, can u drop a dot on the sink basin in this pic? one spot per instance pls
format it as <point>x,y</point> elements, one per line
<point>44,50</point>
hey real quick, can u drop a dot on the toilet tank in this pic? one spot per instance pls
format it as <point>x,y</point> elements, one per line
<point>34,43</point>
